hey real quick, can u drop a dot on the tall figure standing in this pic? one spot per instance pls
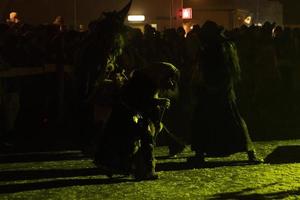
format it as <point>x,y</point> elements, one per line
<point>217,127</point>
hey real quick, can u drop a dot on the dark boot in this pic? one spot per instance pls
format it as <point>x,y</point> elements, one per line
<point>144,164</point>
<point>144,159</point>
<point>145,170</point>
<point>252,157</point>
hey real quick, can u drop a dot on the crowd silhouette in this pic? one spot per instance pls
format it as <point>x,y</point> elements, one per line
<point>265,88</point>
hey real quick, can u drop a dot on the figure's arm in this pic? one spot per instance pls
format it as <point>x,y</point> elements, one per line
<point>161,102</point>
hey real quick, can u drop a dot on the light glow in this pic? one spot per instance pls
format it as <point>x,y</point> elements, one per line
<point>187,13</point>
<point>13,17</point>
<point>136,18</point>
<point>154,26</point>
<point>248,20</point>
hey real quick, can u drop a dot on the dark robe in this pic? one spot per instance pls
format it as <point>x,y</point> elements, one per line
<point>218,128</point>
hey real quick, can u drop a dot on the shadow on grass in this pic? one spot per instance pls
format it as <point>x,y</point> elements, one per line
<point>241,194</point>
<point>176,166</point>
<point>170,157</point>
<point>42,156</point>
<point>15,175</point>
<point>51,173</point>
<point>51,184</point>
<point>284,154</point>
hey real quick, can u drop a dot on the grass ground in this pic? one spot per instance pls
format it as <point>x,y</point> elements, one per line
<point>70,175</point>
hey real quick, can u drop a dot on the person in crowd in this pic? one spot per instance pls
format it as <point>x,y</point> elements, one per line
<point>267,82</point>
<point>175,132</point>
<point>285,50</point>
<point>9,110</point>
<point>217,127</point>
<point>13,18</point>
<point>60,22</point>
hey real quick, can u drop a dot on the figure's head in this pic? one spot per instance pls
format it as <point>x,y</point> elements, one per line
<point>165,74</point>
<point>149,31</point>
<point>59,20</point>
<point>110,22</point>
<point>277,31</point>
<point>211,31</point>
<point>13,17</point>
<point>109,28</point>
<point>180,31</point>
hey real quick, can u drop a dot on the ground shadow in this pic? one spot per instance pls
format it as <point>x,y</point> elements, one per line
<point>42,156</point>
<point>170,157</point>
<point>51,173</point>
<point>176,166</point>
<point>21,187</point>
<point>284,154</point>
<point>242,196</point>
<point>14,175</point>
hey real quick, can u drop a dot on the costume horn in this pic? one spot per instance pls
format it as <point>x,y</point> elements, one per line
<point>123,13</point>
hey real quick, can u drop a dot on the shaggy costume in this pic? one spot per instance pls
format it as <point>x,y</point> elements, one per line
<point>218,128</point>
<point>127,143</point>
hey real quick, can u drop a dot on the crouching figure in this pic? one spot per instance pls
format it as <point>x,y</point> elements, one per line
<point>127,143</point>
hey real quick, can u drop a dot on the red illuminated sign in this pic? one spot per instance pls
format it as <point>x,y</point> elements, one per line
<point>187,13</point>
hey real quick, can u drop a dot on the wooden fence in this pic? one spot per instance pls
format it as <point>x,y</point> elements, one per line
<point>29,71</point>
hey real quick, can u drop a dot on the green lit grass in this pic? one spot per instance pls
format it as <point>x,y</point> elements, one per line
<point>75,179</point>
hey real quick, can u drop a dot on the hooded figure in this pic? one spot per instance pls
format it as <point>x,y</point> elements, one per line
<point>217,127</point>
<point>127,143</point>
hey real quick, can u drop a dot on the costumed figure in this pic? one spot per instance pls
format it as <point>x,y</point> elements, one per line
<point>95,68</point>
<point>218,128</point>
<point>127,144</point>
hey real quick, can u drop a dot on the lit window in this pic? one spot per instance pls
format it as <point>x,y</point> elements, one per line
<point>136,18</point>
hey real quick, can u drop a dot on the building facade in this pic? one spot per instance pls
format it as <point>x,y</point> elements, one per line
<point>232,13</point>
<point>161,14</point>
<point>291,16</point>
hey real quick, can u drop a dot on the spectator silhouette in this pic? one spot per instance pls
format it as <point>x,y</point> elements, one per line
<point>13,19</point>
<point>60,22</point>
<point>218,128</point>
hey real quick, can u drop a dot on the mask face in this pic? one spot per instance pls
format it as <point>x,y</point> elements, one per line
<point>168,84</point>
<point>171,84</point>
<point>118,45</point>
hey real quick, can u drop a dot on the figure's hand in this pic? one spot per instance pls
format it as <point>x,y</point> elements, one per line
<point>161,126</point>
<point>165,103</point>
